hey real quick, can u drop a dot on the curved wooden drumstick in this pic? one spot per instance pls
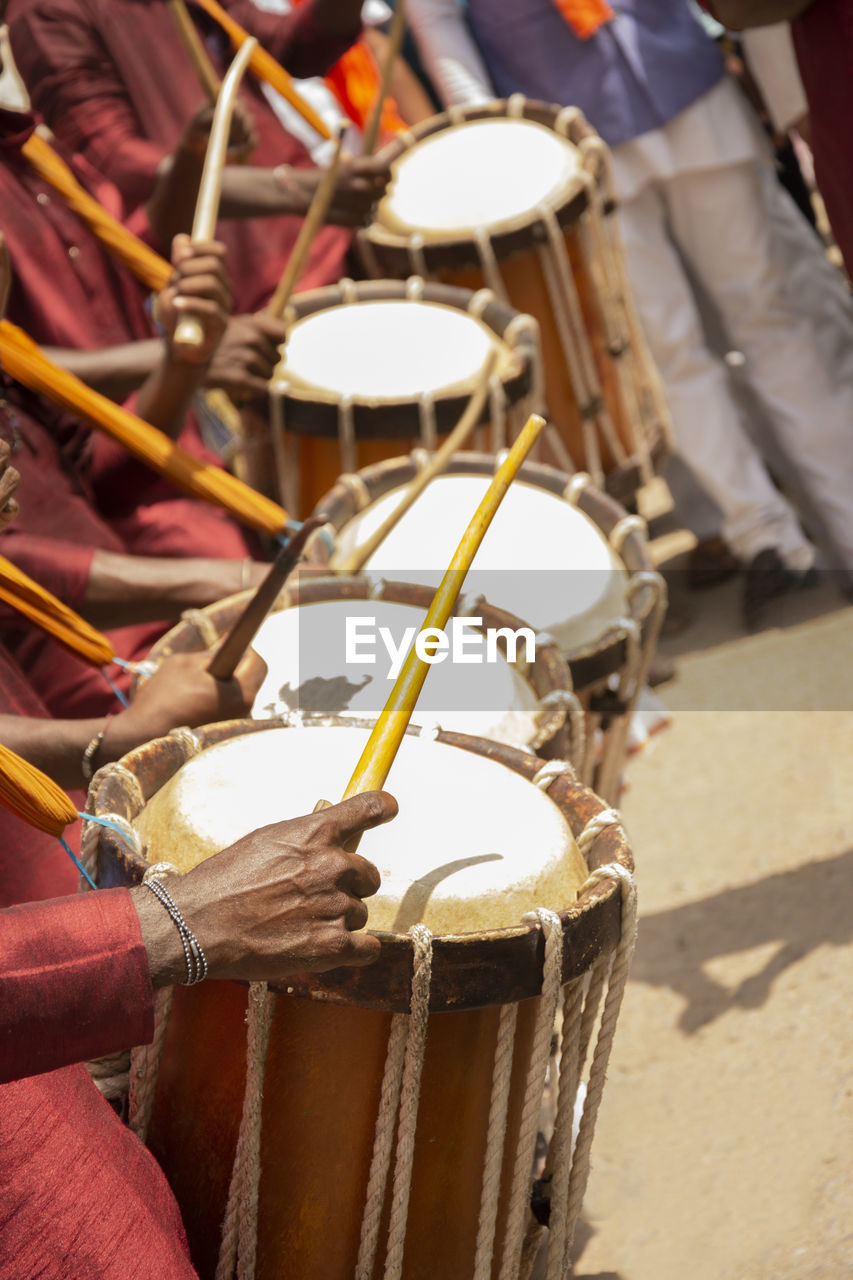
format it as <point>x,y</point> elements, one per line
<point>439,461</point>
<point>378,755</point>
<point>196,51</point>
<point>314,220</point>
<point>189,332</point>
<point>225,661</point>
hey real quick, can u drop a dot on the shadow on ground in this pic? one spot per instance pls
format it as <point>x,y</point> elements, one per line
<point>798,910</point>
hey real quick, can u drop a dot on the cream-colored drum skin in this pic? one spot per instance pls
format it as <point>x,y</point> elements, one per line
<point>490,173</point>
<point>474,845</point>
<point>309,671</point>
<point>385,351</point>
<point>574,584</point>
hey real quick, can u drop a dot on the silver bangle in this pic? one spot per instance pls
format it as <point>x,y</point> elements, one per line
<point>193,954</point>
<point>87,764</point>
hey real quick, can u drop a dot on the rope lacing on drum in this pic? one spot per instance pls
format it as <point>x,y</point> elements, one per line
<point>346,435</point>
<point>203,624</point>
<point>353,482</point>
<point>576,486</point>
<point>415,288</point>
<point>189,740</point>
<point>552,770</point>
<point>620,531</point>
<point>399,1094</point>
<point>417,257</point>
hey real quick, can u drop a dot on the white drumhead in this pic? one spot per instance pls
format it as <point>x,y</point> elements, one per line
<point>547,562</point>
<point>480,174</point>
<point>474,846</point>
<point>309,670</point>
<point>386,350</point>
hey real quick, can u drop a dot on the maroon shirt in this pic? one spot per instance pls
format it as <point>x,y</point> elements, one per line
<point>823,38</point>
<point>114,82</point>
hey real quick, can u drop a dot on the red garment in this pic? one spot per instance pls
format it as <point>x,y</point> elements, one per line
<point>54,540</point>
<point>115,84</point>
<point>80,1196</point>
<point>32,865</point>
<point>67,292</point>
<point>823,39</point>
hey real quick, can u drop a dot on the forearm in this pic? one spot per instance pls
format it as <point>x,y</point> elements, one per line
<point>739,14</point>
<point>114,371</point>
<point>172,205</point>
<point>249,191</point>
<point>166,396</point>
<point>57,746</point>
<point>124,590</point>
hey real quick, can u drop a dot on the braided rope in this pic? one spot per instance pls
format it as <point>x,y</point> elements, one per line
<point>410,1095</point>
<point>145,1067</point>
<point>493,1160</point>
<point>559,1154</point>
<point>518,1201</point>
<point>207,632</point>
<point>593,829</point>
<point>240,1224</point>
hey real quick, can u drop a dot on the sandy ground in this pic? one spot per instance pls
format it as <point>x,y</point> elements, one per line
<point>725,1141</point>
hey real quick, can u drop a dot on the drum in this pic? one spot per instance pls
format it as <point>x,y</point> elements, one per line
<point>371,369</point>
<point>304,644</point>
<point>400,1102</point>
<point>514,196</point>
<point>559,553</point>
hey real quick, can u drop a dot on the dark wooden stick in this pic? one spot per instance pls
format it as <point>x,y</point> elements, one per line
<point>225,661</point>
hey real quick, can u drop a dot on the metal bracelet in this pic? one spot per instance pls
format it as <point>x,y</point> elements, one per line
<point>193,954</point>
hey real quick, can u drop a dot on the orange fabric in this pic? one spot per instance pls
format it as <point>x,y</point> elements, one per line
<point>122,244</point>
<point>32,796</point>
<point>23,360</point>
<point>585,16</point>
<point>26,596</point>
<point>354,80</point>
<point>266,68</point>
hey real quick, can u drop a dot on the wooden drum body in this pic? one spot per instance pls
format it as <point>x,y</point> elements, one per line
<point>559,552</point>
<point>302,643</point>
<point>515,196</point>
<point>372,368</point>
<point>330,1032</point>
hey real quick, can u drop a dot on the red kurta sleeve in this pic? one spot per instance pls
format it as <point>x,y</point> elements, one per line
<point>74,982</point>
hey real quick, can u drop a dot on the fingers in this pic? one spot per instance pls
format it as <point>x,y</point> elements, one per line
<point>359,877</point>
<point>357,814</point>
<point>364,950</point>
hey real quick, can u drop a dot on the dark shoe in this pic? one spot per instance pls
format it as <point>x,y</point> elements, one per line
<point>711,561</point>
<point>767,578</point>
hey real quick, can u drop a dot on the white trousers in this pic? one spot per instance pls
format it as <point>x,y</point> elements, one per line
<point>717,218</point>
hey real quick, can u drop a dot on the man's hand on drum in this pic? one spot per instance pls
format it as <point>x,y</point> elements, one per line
<point>247,356</point>
<point>286,899</point>
<point>199,287</point>
<point>182,692</point>
<point>361,183</point>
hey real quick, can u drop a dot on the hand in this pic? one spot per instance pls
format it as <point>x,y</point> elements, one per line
<point>361,183</point>
<point>198,287</point>
<point>9,481</point>
<point>247,355</point>
<point>181,692</point>
<point>242,138</point>
<point>284,900</point>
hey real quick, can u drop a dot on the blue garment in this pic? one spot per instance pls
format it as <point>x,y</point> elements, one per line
<point>635,74</point>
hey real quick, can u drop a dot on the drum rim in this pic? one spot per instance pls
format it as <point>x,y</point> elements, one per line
<point>314,411</point>
<point>591,664</point>
<point>549,673</point>
<point>509,235</point>
<point>469,971</point>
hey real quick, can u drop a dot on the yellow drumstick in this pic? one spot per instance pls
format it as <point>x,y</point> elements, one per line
<point>378,756</point>
<point>454,442</point>
<point>189,332</point>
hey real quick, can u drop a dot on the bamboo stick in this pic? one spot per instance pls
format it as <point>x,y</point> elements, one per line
<point>198,55</point>
<point>395,43</point>
<point>378,755</point>
<point>189,332</point>
<point>227,658</point>
<point>314,220</point>
<point>437,464</point>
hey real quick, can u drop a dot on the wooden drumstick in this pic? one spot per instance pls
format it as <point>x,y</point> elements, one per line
<point>227,658</point>
<point>198,55</point>
<point>189,332</point>
<point>439,461</point>
<point>378,755</point>
<point>314,220</point>
<point>395,43</point>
